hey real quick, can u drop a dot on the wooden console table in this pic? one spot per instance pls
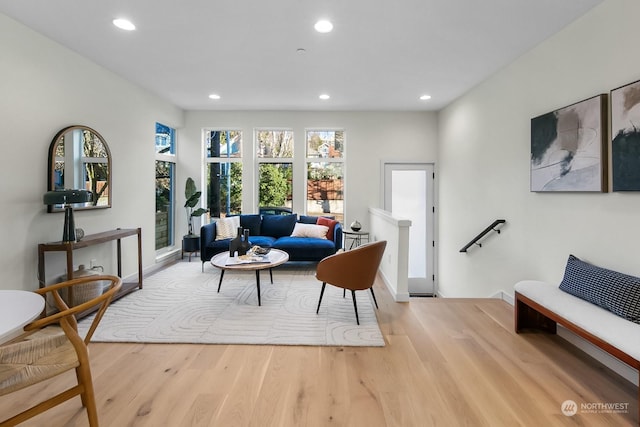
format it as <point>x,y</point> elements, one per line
<point>90,240</point>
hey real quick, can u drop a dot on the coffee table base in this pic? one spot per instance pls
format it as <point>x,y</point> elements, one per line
<point>257,281</point>
<point>276,258</point>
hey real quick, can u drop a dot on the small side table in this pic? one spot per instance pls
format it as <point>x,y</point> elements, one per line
<point>190,245</point>
<point>356,237</point>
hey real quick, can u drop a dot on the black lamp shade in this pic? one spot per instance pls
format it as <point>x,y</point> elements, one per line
<point>66,198</point>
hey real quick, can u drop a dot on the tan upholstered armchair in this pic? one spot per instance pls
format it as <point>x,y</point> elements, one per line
<point>354,270</point>
<point>44,353</point>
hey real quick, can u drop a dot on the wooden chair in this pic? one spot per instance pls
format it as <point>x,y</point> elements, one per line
<point>44,353</point>
<point>354,270</point>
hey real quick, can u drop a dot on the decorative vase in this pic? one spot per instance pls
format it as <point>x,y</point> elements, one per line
<point>234,244</point>
<point>245,244</point>
<point>355,226</point>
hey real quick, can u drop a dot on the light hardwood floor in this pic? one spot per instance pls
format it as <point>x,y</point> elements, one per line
<point>447,362</point>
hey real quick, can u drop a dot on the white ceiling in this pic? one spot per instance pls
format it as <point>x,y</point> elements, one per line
<point>381,55</point>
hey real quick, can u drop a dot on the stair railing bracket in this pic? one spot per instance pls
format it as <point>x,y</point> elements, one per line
<point>489,229</point>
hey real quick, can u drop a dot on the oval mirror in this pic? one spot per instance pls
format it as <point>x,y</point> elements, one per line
<point>79,158</point>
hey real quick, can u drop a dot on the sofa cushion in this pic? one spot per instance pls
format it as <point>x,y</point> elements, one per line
<point>251,223</point>
<point>227,228</point>
<point>617,292</point>
<point>305,248</point>
<point>330,223</point>
<point>310,230</point>
<point>262,241</point>
<point>308,219</point>
<point>278,225</point>
<point>219,245</point>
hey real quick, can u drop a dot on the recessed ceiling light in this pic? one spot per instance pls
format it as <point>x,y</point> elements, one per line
<point>214,96</point>
<point>301,50</point>
<point>323,26</point>
<point>425,97</point>
<point>124,24</point>
<point>324,96</point>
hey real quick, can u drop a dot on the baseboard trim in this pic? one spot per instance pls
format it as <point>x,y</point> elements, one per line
<point>161,262</point>
<point>397,296</point>
<point>504,296</point>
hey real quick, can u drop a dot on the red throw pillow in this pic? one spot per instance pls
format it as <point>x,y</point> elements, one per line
<point>329,223</point>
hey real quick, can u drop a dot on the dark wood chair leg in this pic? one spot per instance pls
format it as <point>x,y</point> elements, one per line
<point>344,293</point>
<point>220,282</point>
<point>355,306</point>
<point>324,284</point>
<point>271,275</point>
<point>374,297</point>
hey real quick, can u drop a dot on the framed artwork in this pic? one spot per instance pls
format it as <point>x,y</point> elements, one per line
<point>568,148</point>
<point>625,137</point>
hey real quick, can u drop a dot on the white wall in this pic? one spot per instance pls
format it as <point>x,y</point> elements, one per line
<point>484,145</point>
<point>370,136</point>
<point>43,88</point>
<point>394,267</point>
<point>46,87</point>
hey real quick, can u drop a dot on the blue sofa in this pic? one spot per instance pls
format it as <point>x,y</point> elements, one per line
<point>274,231</point>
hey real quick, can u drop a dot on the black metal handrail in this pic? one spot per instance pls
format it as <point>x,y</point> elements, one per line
<point>481,235</point>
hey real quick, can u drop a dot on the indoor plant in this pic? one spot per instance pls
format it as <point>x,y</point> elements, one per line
<point>192,195</point>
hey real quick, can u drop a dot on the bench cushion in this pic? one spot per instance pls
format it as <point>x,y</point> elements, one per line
<point>619,293</point>
<point>601,323</point>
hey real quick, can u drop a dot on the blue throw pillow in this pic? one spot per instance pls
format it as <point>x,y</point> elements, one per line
<point>307,219</point>
<point>252,223</point>
<point>617,292</point>
<point>278,225</point>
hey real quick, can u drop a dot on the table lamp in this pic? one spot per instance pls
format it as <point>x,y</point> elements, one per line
<point>66,198</point>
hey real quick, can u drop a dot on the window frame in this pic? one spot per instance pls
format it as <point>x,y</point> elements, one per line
<point>342,160</point>
<point>272,160</point>
<point>171,158</point>
<point>206,161</point>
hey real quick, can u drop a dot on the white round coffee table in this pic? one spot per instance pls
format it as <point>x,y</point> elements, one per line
<point>224,262</point>
<point>17,309</point>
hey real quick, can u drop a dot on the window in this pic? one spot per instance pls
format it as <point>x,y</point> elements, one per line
<point>274,150</point>
<point>165,185</point>
<point>223,161</point>
<point>325,173</point>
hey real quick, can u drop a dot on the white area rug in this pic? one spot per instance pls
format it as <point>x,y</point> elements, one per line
<point>180,305</point>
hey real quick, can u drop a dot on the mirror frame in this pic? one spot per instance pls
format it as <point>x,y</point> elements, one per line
<point>51,175</point>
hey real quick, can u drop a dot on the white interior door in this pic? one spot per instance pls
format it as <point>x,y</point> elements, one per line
<point>408,194</point>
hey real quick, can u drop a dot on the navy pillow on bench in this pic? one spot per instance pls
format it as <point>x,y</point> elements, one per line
<point>617,292</point>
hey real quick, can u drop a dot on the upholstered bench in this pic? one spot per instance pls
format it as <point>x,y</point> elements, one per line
<point>540,305</point>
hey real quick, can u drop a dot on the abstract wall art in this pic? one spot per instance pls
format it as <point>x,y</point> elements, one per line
<point>625,137</point>
<point>568,148</point>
